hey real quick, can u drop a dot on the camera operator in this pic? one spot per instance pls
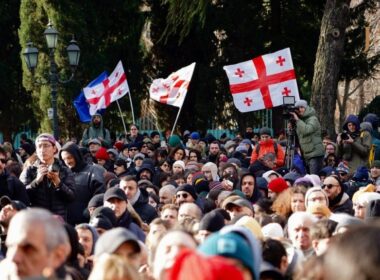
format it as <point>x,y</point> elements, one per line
<point>353,145</point>
<point>49,183</point>
<point>308,130</point>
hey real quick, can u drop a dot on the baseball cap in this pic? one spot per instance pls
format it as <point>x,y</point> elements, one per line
<point>112,239</point>
<point>115,192</point>
<point>241,202</point>
<point>16,204</point>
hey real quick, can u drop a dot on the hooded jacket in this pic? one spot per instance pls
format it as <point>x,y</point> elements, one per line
<point>357,153</point>
<point>98,132</point>
<point>256,191</point>
<point>309,134</point>
<point>89,181</point>
<point>146,212</point>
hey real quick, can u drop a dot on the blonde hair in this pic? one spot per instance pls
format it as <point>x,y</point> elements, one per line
<point>113,267</point>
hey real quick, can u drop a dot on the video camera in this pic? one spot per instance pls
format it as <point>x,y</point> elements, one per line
<point>288,107</point>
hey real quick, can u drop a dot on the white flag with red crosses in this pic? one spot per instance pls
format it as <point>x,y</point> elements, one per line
<point>173,89</point>
<point>261,83</point>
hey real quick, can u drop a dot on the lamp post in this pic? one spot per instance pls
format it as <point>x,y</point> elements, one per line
<point>31,59</point>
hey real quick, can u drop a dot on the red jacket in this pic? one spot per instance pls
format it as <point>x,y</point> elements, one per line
<point>268,147</point>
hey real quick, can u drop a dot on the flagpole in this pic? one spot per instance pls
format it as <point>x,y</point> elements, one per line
<point>130,101</point>
<point>176,119</point>
<point>121,116</point>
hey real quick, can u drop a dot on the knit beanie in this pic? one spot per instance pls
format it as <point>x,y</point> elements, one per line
<point>361,174</point>
<point>315,189</point>
<point>212,221</point>
<point>265,131</point>
<point>179,163</point>
<point>277,185</point>
<point>343,167</point>
<point>102,154</point>
<point>189,189</point>
<point>174,141</point>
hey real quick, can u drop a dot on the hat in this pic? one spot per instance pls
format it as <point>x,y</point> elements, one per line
<point>101,222</point>
<point>179,163</point>
<point>242,149</point>
<point>102,154</point>
<point>241,202</point>
<point>373,119</point>
<point>112,239</point>
<point>269,173</point>
<point>277,185</point>
<point>375,163</point>
<point>212,221</point>
<point>46,137</point>
<point>144,183</point>
<point>246,141</point>
<point>368,188</point>
<point>114,152</point>
<point>154,133</point>
<point>291,177</point>
<point>301,103</point>
<point>251,224</point>
<point>229,144</point>
<point>120,162</point>
<point>343,167</point>
<point>115,192</point>
<point>105,212</point>
<point>119,145</point>
<point>361,174</point>
<point>261,183</point>
<point>96,200</point>
<point>314,179</point>
<point>94,141</point>
<point>234,161</point>
<point>319,209</point>
<point>366,126</point>
<point>315,189</point>
<point>195,136</point>
<point>265,131</point>
<point>139,156</point>
<point>187,188</point>
<point>16,204</point>
<point>273,230</point>
<point>230,245</point>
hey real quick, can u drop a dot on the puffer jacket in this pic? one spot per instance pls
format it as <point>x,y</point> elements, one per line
<point>309,134</point>
<point>44,194</point>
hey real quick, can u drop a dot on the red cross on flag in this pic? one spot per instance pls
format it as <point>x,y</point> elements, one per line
<point>173,89</point>
<point>109,90</point>
<point>262,82</point>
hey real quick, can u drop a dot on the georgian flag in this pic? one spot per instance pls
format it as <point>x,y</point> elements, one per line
<point>101,95</point>
<point>173,89</point>
<point>261,83</point>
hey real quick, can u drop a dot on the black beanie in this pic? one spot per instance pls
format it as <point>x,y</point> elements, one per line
<point>212,222</point>
<point>189,189</point>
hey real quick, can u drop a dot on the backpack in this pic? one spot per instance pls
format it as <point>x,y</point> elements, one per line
<point>257,148</point>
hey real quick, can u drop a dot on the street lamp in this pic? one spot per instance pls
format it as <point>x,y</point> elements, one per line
<point>31,60</point>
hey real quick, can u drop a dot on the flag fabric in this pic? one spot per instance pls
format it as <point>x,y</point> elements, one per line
<point>262,82</point>
<point>173,89</point>
<point>81,104</point>
<point>101,95</point>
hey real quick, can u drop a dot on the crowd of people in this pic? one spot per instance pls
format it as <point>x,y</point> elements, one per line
<point>192,206</point>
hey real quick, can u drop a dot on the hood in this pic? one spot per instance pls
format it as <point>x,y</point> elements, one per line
<point>145,167</point>
<point>256,190</point>
<point>101,121</point>
<point>143,197</point>
<point>74,150</point>
<point>309,111</point>
<point>352,119</point>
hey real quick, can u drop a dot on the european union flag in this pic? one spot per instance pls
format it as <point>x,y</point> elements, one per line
<point>80,103</point>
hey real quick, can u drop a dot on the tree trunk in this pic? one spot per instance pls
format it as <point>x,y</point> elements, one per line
<point>328,60</point>
<point>343,108</point>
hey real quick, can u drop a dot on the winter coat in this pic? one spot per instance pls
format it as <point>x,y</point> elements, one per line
<point>45,194</point>
<point>93,132</point>
<point>89,181</point>
<point>343,206</point>
<point>357,153</point>
<point>309,134</point>
<point>125,221</point>
<point>268,147</point>
<point>12,187</point>
<point>146,212</point>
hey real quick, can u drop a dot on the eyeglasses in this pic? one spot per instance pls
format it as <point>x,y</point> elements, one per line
<point>329,186</point>
<point>184,195</point>
<point>3,160</point>
<point>165,165</point>
<point>133,149</point>
<point>342,173</point>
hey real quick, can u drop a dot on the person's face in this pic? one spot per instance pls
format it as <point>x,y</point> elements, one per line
<point>68,159</point>
<point>360,210</point>
<point>6,214</point>
<point>272,195</point>
<point>129,187</point>
<point>264,137</point>
<point>351,127</point>
<point>179,155</point>
<point>139,162</point>
<point>132,152</point>
<point>343,176</point>
<point>101,162</point>
<point>331,187</point>
<point>235,210</point>
<point>316,197</point>
<point>297,202</point>
<point>186,211</point>
<point>189,179</point>
<point>21,151</point>
<point>45,151</point>
<point>93,148</point>
<point>193,157</point>
<point>331,161</point>
<point>180,181</point>
<point>3,162</point>
<point>170,215</point>
<point>330,149</point>
<point>156,139</point>
<point>177,169</point>
<point>301,111</point>
<point>375,172</point>
<point>214,149</point>
<point>144,149</point>
<point>182,197</point>
<point>300,236</point>
<point>208,174</point>
<point>118,169</point>
<point>86,240</point>
<point>152,202</point>
<point>165,167</point>
<point>248,185</point>
<point>145,174</point>
<point>28,251</point>
<point>125,152</point>
<point>165,197</point>
<point>118,206</point>
<point>134,130</point>
<point>127,250</point>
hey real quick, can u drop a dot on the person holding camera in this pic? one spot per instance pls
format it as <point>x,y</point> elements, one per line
<point>308,130</point>
<point>354,145</point>
<point>49,183</point>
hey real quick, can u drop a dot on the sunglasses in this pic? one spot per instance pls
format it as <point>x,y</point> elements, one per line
<point>3,160</point>
<point>133,149</point>
<point>329,186</point>
<point>184,195</point>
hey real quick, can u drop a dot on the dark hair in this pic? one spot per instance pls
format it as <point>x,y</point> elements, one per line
<point>198,153</point>
<point>175,149</point>
<point>2,151</point>
<point>129,178</point>
<point>273,251</point>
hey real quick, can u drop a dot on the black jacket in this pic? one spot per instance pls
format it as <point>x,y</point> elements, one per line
<point>44,194</point>
<point>143,208</point>
<point>89,181</point>
<point>125,221</point>
<point>12,187</point>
